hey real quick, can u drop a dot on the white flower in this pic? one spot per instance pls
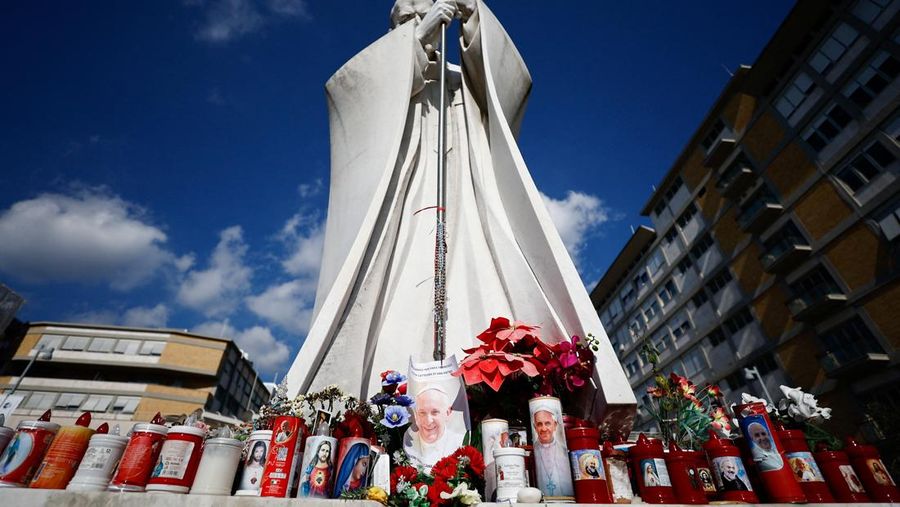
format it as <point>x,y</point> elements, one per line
<point>466,496</point>
<point>749,398</point>
<point>802,406</point>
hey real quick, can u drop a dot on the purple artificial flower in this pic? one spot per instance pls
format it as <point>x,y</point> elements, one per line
<point>381,399</point>
<point>392,378</point>
<point>395,416</point>
<point>403,400</point>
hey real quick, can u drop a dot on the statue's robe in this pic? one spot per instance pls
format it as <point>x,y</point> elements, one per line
<point>374,302</point>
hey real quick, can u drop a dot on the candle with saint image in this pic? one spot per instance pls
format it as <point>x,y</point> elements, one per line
<point>21,458</point>
<point>551,456</point>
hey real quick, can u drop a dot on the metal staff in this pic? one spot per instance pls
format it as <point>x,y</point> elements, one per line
<point>440,240</point>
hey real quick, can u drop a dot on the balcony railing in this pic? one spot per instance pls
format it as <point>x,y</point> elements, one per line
<point>783,257</point>
<point>816,304</point>
<point>839,364</point>
<point>760,216</point>
<point>736,180</point>
<point>720,150</point>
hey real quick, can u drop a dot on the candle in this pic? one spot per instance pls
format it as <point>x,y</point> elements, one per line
<point>64,455</point>
<point>99,463</point>
<point>21,458</point>
<point>178,460</point>
<point>257,449</point>
<point>509,473</point>
<point>139,457</point>
<point>218,465</point>
<point>6,434</point>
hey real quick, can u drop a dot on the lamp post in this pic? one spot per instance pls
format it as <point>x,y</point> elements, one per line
<point>750,374</point>
<point>42,352</point>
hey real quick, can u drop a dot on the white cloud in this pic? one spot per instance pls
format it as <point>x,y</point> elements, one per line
<point>90,236</point>
<point>225,20</point>
<point>288,305</point>
<point>310,189</point>
<point>138,316</point>
<point>304,237</point>
<point>266,352</point>
<point>217,289</point>
<point>145,316</point>
<point>577,217</point>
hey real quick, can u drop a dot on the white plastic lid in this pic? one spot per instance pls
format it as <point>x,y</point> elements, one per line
<point>166,488</point>
<point>150,428</point>
<point>103,438</point>
<point>247,492</point>
<point>260,433</point>
<point>509,451</point>
<point>187,430</point>
<point>233,442</point>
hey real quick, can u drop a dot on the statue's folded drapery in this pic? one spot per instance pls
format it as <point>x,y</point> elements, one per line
<point>374,300</point>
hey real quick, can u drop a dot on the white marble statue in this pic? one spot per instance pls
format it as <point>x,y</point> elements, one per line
<point>374,300</point>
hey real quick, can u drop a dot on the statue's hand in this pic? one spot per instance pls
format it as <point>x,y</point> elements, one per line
<point>466,9</point>
<point>429,28</point>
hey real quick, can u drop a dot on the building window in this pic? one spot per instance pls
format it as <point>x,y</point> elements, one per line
<point>889,223</point>
<point>829,52</point>
<point>69,401</point>
<point>661,342</point>
<point>701,247</point>
<point>716,337</point>
<point>865,167</point>
<point>681,328</point>
<point>640,281</point>
<point>75,343</point>
<point>635,328</point>
<point>739,321</point>
<point>126,404</point>
<point>659,208</point>
<point>794,94</point>
<point>152,348</point>
<point>632,367</point>
<point>694,362</point>
<point>628,297</point>
<point>687,216</point>
<point>815,285</point>
<point>40,400</point>
<point>128,347</point>
<point>783,239</point>
<point>50,341</point>
<point>869,10</point>
<point>651,309</point>
<point>97,403</point>
<point>826,127</point>
<point>700,298</point>
<point>657,261</point>
<point>685,265</point>
<point>102,345</point>
<point>878,73</point>
<point>671,235</point>
<point>714,133</point>
<point>851,340</point>
<point>720,281</point>
<point>668,292</point>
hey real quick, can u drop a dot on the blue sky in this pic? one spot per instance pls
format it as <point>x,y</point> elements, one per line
<point>166,163</point>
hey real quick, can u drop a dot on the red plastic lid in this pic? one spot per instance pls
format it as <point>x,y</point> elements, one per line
<point>84,420</point>
<point>45,417</point>
<point>581,432</point>
<point>103,429</point>
<point>645,443</point>
<point>715,442</point>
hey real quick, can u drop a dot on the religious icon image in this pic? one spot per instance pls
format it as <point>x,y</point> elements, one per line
<point>551,457</point>
<point>706,479</point>
<point>762,447</point>
<point>588,464</point>
<point>851,479</point>
<point>323,423</point>
<point>879,472</point>
<point>731,474</point>
<point>650,473</point>
<point>434,223</point>
<point>254,464</point>
<point>317,467</point>
<point>805,468</point>
<point>353,466</point>
<point>439,413</point>
<point>284,432</point>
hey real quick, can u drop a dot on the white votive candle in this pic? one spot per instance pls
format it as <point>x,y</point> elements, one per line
<point>218,466</point>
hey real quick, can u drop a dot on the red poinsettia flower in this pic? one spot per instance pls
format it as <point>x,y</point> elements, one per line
<point>492,368</point>
<point>503,334</point>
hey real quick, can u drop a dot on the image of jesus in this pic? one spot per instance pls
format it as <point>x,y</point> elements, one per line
<point>432,437</point>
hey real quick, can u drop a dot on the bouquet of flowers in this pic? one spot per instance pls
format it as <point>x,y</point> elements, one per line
<point>454,480</point>
<point>684,413</point>
<point>515,363</point>
<point>391,410</point>
<point>802,411</point>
